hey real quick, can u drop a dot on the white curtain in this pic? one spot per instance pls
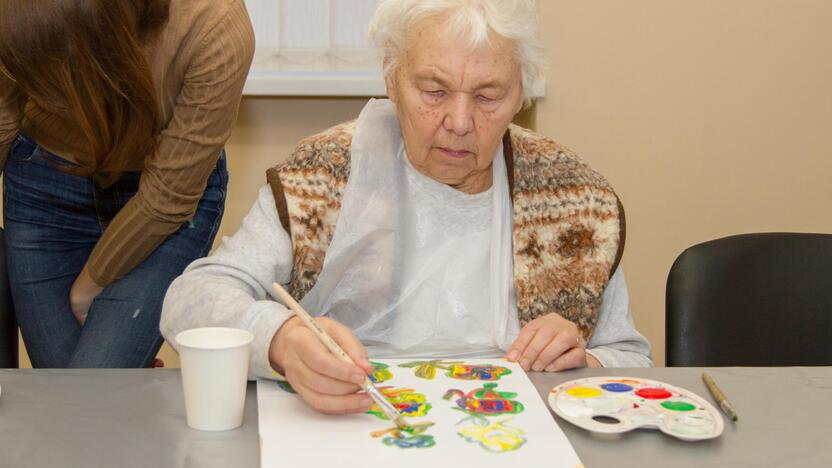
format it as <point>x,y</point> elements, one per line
<point>313,35</point>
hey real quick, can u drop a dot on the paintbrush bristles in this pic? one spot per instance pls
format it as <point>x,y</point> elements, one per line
<point>401,423</point>
<point>386,407</point>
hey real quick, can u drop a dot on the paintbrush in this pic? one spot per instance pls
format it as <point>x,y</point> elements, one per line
<point>386,407</point>
<point>719,397</point>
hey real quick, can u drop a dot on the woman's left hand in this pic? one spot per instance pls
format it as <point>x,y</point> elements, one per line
<point>550,343</point>
<point>84,291</point>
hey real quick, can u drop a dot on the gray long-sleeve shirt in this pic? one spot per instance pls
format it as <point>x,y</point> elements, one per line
<point>232,288</point>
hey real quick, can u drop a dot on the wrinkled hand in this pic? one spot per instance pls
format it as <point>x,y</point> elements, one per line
<point>550,343</point>
<point>326,383</point>
<point>84,290</point>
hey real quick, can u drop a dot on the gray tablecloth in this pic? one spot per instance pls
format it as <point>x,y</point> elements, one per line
<point>785,420</point>
<point>135,418</point>
<point>112,418</point>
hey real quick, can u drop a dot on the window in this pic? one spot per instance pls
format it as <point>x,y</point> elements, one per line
<point>313,48</point>
<point>316,48</point>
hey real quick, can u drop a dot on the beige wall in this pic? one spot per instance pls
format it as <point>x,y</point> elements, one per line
<point>710,118</point>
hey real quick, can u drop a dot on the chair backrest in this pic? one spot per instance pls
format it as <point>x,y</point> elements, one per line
<point>751,300</point>
<point>8,324</point>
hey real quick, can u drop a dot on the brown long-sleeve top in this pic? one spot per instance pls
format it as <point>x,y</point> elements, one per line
<point>199,61</point>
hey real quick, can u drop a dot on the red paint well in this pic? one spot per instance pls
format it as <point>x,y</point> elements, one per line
<point>654,393</point>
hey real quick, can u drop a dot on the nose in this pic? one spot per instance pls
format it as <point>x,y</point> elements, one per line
<point>459,114</point>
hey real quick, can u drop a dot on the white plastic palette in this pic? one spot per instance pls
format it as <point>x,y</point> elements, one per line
<point>613,405</point>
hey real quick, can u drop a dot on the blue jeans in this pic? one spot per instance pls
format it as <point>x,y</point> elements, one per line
<point>52,222</point>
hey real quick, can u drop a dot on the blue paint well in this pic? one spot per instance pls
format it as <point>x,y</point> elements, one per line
<point>616,387</point>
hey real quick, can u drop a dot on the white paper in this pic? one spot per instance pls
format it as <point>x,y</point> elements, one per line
<point>294,435</point>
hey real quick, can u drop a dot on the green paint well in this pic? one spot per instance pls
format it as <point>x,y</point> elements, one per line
<point>678,406</point>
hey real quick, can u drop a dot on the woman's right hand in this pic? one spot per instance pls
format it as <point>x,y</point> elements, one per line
<point>326,383</point>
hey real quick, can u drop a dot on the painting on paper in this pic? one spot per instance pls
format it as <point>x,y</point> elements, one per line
<point>479,412</point>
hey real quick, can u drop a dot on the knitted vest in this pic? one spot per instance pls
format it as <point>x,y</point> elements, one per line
<point>568,223</point>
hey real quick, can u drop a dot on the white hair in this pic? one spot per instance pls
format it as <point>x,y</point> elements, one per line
<point>471,20</point>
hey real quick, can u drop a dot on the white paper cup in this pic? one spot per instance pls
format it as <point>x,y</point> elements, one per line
<point>214,365</point>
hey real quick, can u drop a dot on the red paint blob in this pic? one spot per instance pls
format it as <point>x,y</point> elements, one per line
<point>654,393</point>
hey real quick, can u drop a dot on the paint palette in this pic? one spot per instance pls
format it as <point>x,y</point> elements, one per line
<point>613,405</point>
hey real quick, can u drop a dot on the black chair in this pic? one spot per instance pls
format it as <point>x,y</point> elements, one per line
<point>8,324</point>
<point>751,300</point>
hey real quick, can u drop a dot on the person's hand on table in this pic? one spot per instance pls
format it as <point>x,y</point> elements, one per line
<point>84,290</point>
<point>326,383</point>
<point>550,343</point>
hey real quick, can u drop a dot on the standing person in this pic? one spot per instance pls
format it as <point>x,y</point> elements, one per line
<point>113,119</point>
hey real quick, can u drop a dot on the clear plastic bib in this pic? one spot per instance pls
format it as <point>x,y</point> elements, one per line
<point>417,268</point>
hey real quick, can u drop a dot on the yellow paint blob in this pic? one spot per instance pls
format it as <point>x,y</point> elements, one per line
<point>583,392</point>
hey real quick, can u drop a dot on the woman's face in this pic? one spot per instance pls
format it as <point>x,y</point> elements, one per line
<point>455,104</point>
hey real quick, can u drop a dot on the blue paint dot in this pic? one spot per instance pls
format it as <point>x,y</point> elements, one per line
<point>616,387</point>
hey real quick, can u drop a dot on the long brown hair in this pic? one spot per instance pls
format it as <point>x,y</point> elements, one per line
<point>83,59</point>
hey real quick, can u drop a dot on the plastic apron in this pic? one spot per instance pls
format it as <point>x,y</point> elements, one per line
<point>417,268</point>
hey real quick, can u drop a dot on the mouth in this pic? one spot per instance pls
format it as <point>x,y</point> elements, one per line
<point>454,153</point>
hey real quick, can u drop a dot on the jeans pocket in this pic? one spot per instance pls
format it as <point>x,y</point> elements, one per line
<point>22,149</point>
<point>27,150</point>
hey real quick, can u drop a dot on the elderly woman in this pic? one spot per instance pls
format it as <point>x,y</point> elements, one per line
<point>430,226</point>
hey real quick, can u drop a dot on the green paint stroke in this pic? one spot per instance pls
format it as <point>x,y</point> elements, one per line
<point>406,401</point>
<point>427,369</point>
<point>678,406</point>
<point>380,373</point>
<point>477,372</point>
<point>415,441</point>
<point>487,401</point>
<point>406,438</point>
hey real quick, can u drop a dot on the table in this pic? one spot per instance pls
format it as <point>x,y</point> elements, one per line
<point>119,418</point>
<point>785,420</point>
<point>136,418</point>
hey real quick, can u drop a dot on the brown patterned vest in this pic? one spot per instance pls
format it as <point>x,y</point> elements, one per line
<point>568,223</point>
